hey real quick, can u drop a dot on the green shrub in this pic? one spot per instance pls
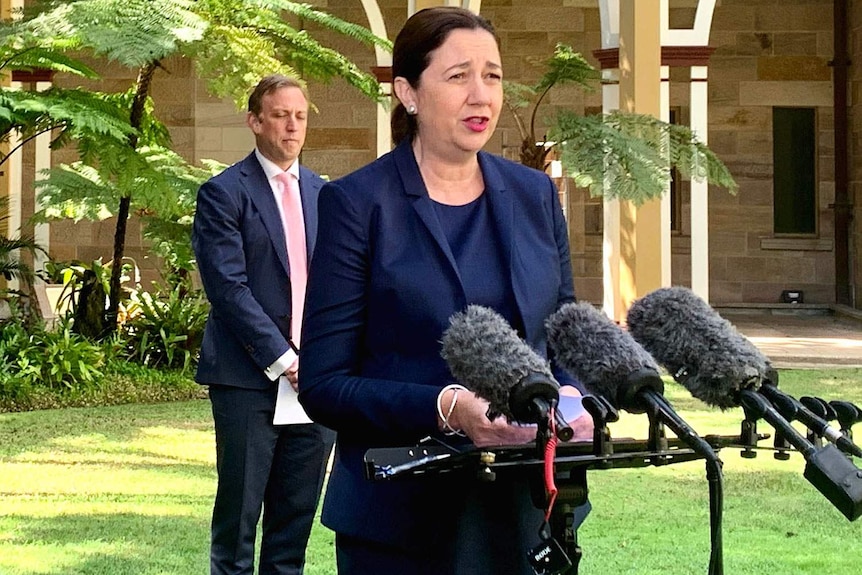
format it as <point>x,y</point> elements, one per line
<point>57,359</point>
<point>32,362</point>
<point>122,383</point>
<point>165,328</point>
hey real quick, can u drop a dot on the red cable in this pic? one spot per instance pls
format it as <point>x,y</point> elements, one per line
<point>550,453</point>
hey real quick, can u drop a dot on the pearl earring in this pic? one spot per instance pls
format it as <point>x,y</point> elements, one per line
<point>411,109</point>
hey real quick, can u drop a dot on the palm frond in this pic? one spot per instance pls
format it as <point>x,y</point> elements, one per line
<point>629,156</point>
<point>68,114</point>
<point>696,161</point>
<point>566,67</point>
<point>617,155</point>
<point>317,61</point>
<point>325,20</point>
<point>599,156</point>
<point>131,32</point>
<point>15,269</point>
<point>233,60</point>
<point>76,192</point>
<point>37,57</point>
<point>518,95</point>
<point>11,267</point>
<point>246,36</point>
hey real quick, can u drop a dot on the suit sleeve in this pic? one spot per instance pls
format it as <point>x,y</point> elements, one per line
<point>336,321</point>
<point>219,241</point>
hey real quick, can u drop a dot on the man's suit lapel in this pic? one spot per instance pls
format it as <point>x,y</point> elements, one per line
<point>414,188</point>
<point>309,189</point>
<point>257,187</point>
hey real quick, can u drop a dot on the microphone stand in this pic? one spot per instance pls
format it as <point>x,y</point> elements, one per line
<point>559,551</point>
<point>791,409</point>
<point>660,410</point>
<point>643,391</point>
<point>827,469</point>
<point>535,399</point>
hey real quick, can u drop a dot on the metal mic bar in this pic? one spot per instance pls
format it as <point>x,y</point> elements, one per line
<point>760,407</point>
<point>826,468</point>
<point>790,408</point>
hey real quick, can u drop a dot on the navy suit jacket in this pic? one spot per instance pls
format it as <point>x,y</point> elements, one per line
<point>382,286</point>
<point>241,252</point>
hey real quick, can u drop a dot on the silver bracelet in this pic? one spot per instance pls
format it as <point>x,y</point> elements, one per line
<point>448,429</point>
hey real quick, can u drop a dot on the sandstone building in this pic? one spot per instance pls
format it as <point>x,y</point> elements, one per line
<point>779,115</point>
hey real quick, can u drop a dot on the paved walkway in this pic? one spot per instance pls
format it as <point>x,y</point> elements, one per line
<point>803,340</point>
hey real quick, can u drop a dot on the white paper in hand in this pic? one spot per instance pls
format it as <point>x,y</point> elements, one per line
<point>288,411</point>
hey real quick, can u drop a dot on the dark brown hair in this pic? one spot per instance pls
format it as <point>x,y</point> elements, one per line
<point>423,33</point>
<point>270,84</point>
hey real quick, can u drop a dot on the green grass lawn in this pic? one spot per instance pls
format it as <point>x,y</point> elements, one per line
<point>128,490</point>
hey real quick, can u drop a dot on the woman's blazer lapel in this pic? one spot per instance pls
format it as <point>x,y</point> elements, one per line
<point>414,188</point>
<point>501,200</point>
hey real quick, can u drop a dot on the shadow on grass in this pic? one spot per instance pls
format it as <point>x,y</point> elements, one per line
<point>108,544</point>
<point>42,430</point>
<point>656,521</point>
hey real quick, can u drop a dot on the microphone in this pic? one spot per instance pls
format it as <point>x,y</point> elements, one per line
<point>489,358</point>
<point>712,360</point>
<point>610,363</point>
<point>826,468</point>
<point>718,365</point>
<point>819,406</point>
<point>699,348</point>
<point>847,415</point>
<point>791,408</point>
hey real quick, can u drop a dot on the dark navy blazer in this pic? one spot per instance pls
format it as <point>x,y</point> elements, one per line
<point>382,286</point>
<point>240,246</point>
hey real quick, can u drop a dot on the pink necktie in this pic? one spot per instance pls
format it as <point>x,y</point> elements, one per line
<point>294,226</point>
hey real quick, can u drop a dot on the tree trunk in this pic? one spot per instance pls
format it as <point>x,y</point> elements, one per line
<point>533,155</point>
<point>145,78</point>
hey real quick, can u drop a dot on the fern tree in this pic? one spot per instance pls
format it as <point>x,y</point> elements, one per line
<point>165,198</point>
<point>233,42</point>
<point>248,39</point>
<point>78,116</point>
<point>617,155</point>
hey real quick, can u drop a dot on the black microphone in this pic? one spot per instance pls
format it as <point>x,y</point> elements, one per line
<point>711,359</point>
<point>791,408</point>
<point>488,357</point>
<point>610,363</point>
<point>699,348</point>
<point>826,468</point>
<point>847,415</point>
<point>718,365</point>
<point>819,406</point>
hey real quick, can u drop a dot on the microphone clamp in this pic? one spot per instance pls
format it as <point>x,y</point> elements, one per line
<point>532,399</point>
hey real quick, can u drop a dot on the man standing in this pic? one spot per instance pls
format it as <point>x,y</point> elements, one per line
<point>253,236</point>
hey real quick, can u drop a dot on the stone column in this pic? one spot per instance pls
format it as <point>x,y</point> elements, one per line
<point>41,232</point>
<point>665,199</point>
<point>610,213</point>
<point>640,92</point>
<point>699,188</point>
<point>384,62</point>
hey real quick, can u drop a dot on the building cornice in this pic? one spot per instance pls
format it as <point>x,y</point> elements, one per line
<point>673,56</point>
